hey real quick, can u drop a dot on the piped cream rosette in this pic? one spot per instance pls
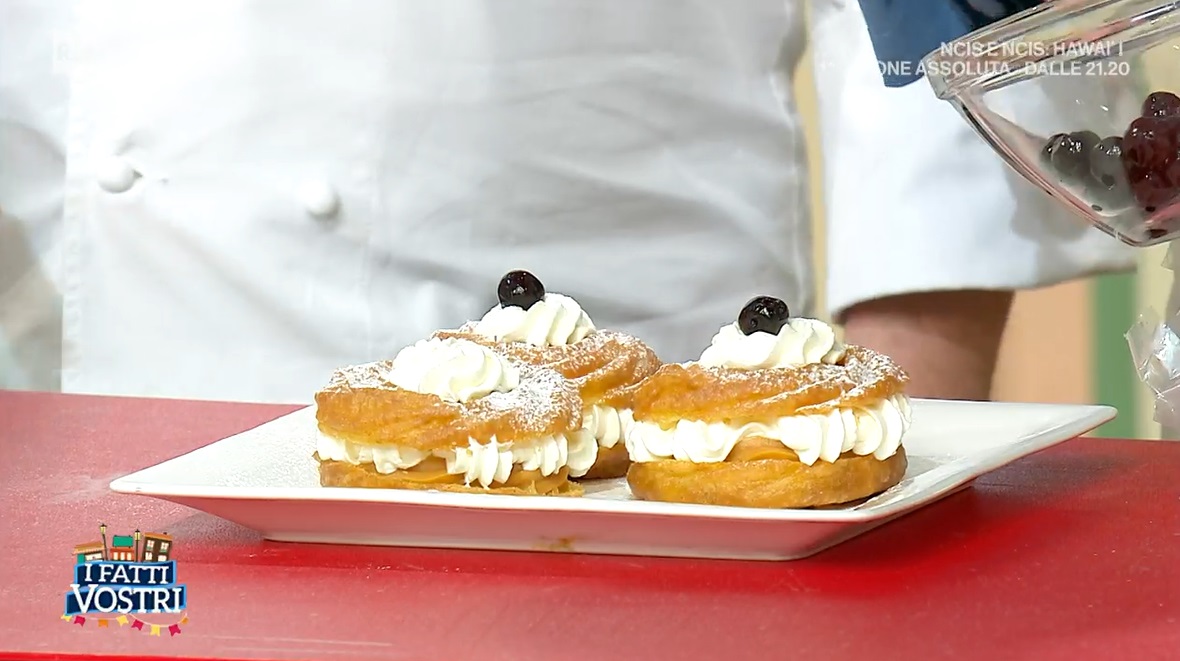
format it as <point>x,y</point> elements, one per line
<point>790,418</point>
<point>449,414</point>
<point>552,330</point>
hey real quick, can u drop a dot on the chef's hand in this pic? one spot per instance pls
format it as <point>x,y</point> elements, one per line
<point>948,342</point>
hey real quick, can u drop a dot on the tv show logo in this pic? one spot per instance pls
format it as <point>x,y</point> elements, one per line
<point>129,580</point>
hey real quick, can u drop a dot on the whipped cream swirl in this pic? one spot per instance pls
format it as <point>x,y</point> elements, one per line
<point>800,341</point>
<point>606,425</point>
<point>556,320</point>
<point>485,464</point>
<point>875,430</point>
<point>492,462</point>
<point>453,369</point>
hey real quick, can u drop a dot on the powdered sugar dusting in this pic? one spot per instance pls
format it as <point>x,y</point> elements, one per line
<point>539,394</point>
<point>605,365</point>
<point>693,391</point>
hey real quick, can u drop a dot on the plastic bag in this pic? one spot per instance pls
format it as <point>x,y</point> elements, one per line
<point>1155,348</point>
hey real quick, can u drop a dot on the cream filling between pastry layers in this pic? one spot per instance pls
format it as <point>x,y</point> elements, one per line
<point>875,430</point>
<point>605,425</point>
<point>483,463</point>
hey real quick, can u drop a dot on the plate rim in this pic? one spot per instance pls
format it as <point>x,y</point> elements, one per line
<point>1089,417</point>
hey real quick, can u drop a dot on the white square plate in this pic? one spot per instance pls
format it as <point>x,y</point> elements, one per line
<point>266,479</point>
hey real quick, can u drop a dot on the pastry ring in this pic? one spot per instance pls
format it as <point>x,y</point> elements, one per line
<point>735,437</point>
<point>717,394</point>
<point>454,416</point>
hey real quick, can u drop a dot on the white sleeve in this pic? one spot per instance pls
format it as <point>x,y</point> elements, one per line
<point>915,201</point>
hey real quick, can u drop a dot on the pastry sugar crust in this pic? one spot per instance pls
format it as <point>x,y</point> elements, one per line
<point>607,366</point>
<point>360,405</point>
<point>691,391</point>
<point>767,483</point>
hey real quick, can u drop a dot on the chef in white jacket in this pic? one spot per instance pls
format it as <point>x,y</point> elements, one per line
<point>227,200</point>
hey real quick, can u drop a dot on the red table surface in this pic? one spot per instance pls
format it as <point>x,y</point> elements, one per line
<point>1071,553</point>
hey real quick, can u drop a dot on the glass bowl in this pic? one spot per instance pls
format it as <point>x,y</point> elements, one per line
<point>1081,98</point>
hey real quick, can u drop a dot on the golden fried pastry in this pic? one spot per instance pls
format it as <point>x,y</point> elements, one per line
<point>451,415</point>
<point>777,413</point>
<point>768,482</point>
<point>552,330</point>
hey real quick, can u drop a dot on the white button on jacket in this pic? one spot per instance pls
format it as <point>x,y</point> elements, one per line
<point>319,199</point>
<point>299,185</point>
<point>115,175</point>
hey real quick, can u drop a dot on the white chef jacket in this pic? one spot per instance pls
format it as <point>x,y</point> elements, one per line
<point>227,200</point>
